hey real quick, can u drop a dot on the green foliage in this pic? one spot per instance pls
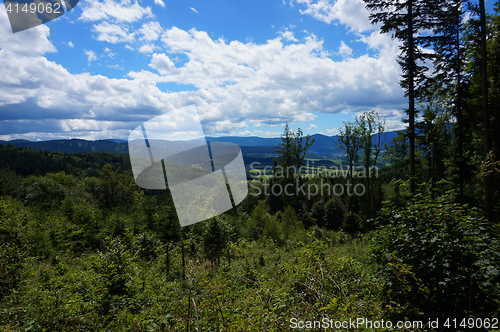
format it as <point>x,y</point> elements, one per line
<point>103,255</point>
<point>115,267</point>
<point>293,148</point>
<point>216,235</point>
<point>436,259</point>
<point>396,153</point>
<point>350,142</point>
<point>255,224</point>
<point>45,192</point>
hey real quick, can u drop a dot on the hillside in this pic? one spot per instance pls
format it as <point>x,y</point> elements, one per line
<point>257,147</point>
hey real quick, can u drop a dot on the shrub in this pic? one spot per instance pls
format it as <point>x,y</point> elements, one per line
<point>45,192</point>
<point>436,258</point>
<point>216,236</point>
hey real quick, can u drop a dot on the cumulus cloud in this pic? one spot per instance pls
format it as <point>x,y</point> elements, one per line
<point>70,44</point>
<point>162,63</point>
<point>259,133</point>
<point>237,84</point>
<point>312,126</point>
<point>150,31</point>
<point>34,41</point>
<point>288,35</point>
<point>118,11</point>
<point>113,33</point>
<point>90,56</point>
<point>344,50</point>
<point>147,48</point>
<point>352,13</point>
<point>160,3</point>
<point>287,81</point>
<point>332,132</point>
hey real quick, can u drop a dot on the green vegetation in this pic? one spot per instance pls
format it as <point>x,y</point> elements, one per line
<point>82,248</point>
<point>97,253</point>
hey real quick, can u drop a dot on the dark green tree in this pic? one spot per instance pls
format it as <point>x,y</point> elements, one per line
<point>285,149</point>
<point>350,142</point>
<point>434,137</point>
<point>371,129</point>
<point>449,79</point>
<point>300,146</point>
<point>396,153</point>
<point>406,20</point>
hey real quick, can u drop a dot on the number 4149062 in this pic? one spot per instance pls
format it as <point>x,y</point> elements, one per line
<point>471,323</point>
<point>34,8</point>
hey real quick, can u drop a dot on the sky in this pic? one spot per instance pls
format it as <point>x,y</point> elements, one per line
<point>249,67</point>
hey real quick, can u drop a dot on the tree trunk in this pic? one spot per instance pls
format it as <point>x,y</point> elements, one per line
<point>411,97</point>
<point>183,262</point>
<point>486,117</point>
<point>168,259</point>
<point>459,116</point>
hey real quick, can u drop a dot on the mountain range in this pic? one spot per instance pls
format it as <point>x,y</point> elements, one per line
<point>324,146</point>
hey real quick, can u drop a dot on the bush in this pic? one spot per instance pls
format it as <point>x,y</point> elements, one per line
<point>216,235</point>
<point>45,192</point>
<point>436,258</point>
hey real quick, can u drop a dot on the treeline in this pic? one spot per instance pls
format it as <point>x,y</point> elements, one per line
<point>450,58</point>
<point>26,161</point>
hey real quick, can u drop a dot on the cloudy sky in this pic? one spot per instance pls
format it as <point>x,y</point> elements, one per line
<point>249,66</point>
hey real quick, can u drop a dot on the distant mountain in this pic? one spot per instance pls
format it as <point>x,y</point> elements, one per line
<point>72,145</point>
<point>257,147</point>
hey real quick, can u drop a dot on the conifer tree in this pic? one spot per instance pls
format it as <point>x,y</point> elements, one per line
<point>406,20</point>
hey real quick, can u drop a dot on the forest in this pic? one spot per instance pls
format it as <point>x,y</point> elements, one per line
<point>83,248</point>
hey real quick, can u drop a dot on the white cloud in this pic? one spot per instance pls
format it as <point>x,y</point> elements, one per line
<point>160,3</point>
<point>162,64</point>
<point>147,48</point>
<point>90,56</point>
<point>70,44</point>
<point>34,41</point>
<point>352,13</point>
<point>288,35</point>
<point>312,126</point>
<point>109,52</point>
<point>274,83</point>
<point>150,31</point>
<point>237,85</point>
<point>129,47</point>
<point>194,10</point>
<point>113,33</point>
<point>344,50</point>
<point>332,132</point>
<point>118,11</point>
<point>259,133</point>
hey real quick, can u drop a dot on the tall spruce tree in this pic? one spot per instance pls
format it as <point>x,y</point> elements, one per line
<point>285,149</point>
<point>406,20</point>
<point>488,178</point>
<point>449,76</point>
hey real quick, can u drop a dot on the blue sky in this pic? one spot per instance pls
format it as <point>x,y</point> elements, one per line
<point>249,67</point>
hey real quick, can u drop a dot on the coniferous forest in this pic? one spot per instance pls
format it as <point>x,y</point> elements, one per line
<point>83,248</point>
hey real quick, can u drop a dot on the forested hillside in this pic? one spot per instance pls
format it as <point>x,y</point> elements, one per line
<point>83,248</point>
